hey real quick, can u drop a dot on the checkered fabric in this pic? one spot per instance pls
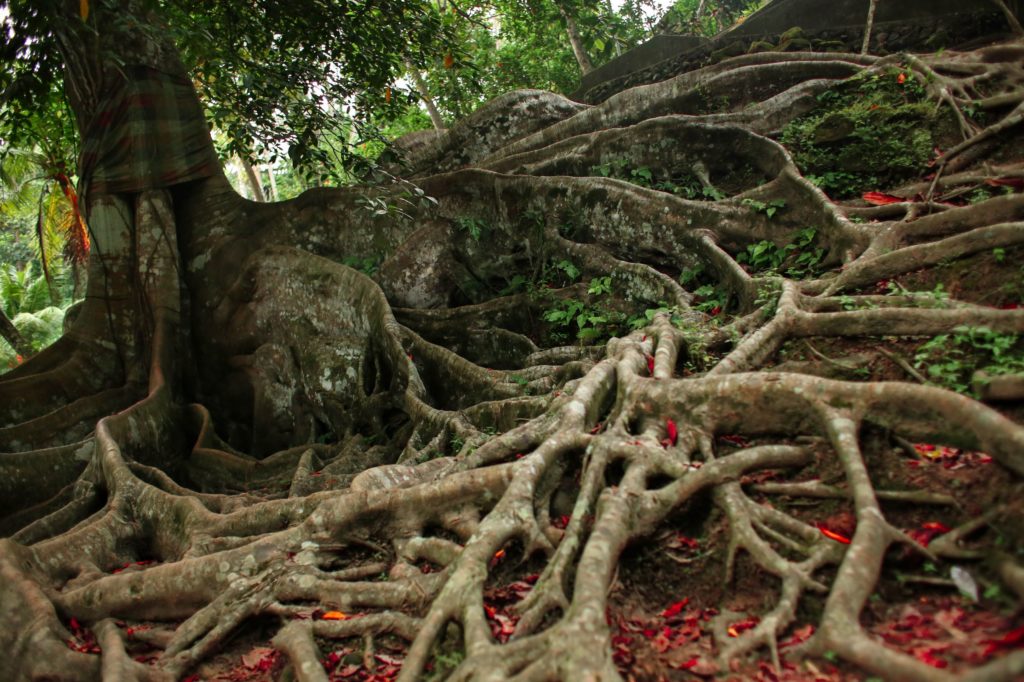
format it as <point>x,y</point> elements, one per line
<point>148,133</point>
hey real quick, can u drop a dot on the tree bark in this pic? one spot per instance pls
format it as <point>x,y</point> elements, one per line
<point>254,180</point>
<point>272,182</point>
<point>13,336</point>
<point>1011,17</point>
<point>424,93</point>
<point>576,40</point>
<point>869,26</point>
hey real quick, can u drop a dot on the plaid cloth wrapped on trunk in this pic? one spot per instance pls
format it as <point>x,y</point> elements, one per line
<point>149,132</point>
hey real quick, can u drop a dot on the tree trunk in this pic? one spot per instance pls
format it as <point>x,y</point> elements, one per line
<point>254,180</point>
<point>576,40</point>
<point>1011,17</point>
<point>869,26</point>
<point>272,181</point>
<point>13,336</point>
<point>240,434</point>
<point>428,102</point>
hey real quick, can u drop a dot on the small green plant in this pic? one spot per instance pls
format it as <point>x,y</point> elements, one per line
<point>588,320</point>
<point>456,443</point>
<point>638,321</point>
<point>600,286</point>
<point>800,257</point>
<point>871,131</point>
<point>444,664</point>
<point>951,359</point>
<point>999,254</point>
<point>710,299</point>
<point>570,270</point>
<point>368,265</point>
<point>691,274</point>
<point>476,227</point>
<point>762,256</point>
<point>769,208</point>
<point>517,284</point>
<point>522,382</point>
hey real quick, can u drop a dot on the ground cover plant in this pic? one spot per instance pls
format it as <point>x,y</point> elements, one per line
<point>555,423</point>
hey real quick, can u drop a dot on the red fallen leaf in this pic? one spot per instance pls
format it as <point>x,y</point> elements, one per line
<point>650,364</point>
<point>1011,306</point>
<point>881,198</point>
<point>675,608</point>
<point>597,427</point>
<point>832,535</point>
<point>800,635</point>
<point>1011,640</point>
<point>686,665</point>
<point>498,556</point>
<point>191,678</point>
<point>928,656</point>
<point>333,615</point>
<point>738,441</point>
<point>735,629</point>
<point>714,311</point>
<point>75,627</point>
<point>261,658</point>
<point>1016,183</point>
<point>673,431</point>
<point>680,541</point>
<point>502,626</point>
<point>332,661</point>
<point>901,79</point>
<point>927,532</point>
<point>521,588</point>
<point>562,521</point>
<point>449,60</point>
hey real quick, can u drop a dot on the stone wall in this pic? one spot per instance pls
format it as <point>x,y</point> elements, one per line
<point>823,26</point>
<point>657,49</point>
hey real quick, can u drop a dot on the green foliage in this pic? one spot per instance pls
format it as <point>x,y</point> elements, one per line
<point>569,268</point>
<point>706,17</point>
<point>683,185</point>
<point>476,227</point>
<point>799,258</point>
<point>444,664</point>
<point>39,330</point>
<point>23,292</point>
<point>769,208</point>
<point>600,285</point>
<point>367,265</point>
<point>951,359</point>
<point>593,320</point>
<point>871,131</point>
<point>314,78</point>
